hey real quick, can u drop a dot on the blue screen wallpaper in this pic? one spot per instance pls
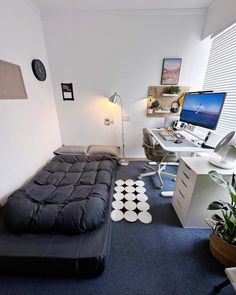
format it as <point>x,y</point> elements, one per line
<point>202,109</point>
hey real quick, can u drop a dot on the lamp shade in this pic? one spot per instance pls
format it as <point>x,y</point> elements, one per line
<point>113,98</point>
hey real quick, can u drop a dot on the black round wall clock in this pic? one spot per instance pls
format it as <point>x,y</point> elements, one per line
<point>39,69</point>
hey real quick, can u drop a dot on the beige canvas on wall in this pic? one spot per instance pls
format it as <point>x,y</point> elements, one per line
<point>11,81</point>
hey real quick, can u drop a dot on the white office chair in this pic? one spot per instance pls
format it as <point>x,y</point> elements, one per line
<point>155,153</point>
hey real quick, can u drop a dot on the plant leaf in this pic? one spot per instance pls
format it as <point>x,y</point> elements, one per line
<point>233,182</point>
<point>234,239</point>
<point>217,178</point>
<point>233,196</point>
<point>232,189</point>
<point>230,207</point>
<point>216,205</point>
<point>217,218</point>
<point>230,224</point>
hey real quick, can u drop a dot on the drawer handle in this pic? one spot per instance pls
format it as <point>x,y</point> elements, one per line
<point>179,204</point>
<point>181,194</point>
<point>188,167</point>
<point>185,175</point>
<point>184,183</point>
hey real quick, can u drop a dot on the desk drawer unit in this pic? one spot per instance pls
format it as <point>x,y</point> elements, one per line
<point>184,187</point>
<point>194,190</point>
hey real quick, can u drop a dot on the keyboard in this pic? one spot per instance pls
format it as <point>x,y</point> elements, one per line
<point>167,135</point>
<point>170,135</point>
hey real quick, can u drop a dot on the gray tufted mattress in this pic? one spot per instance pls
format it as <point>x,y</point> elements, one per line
<point>45,229</point>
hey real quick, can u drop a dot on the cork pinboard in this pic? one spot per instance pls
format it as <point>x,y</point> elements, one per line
<point>11,81</point>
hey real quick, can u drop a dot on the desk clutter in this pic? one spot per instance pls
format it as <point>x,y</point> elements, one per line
<point>130,202</point>
<point>164,100</point>
<point>170,135</point>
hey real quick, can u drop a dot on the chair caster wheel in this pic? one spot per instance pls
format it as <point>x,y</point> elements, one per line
<point>140,177</point>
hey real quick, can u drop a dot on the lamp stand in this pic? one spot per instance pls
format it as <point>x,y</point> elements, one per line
<point>122,161</point>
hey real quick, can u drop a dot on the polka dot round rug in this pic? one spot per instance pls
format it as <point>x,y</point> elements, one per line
<point>130,202</point>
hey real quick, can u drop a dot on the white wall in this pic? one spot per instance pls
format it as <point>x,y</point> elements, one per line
<point>29,129</point>
<point>122,51</point>
<point>220,15</point>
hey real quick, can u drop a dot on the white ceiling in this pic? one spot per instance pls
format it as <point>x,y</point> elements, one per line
<point>77,5</point>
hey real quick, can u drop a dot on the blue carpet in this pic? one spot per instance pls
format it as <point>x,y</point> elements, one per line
<point>160,258</point>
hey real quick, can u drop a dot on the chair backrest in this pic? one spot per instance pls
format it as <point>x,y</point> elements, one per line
<point>153,151</point>
<point>147,137</point>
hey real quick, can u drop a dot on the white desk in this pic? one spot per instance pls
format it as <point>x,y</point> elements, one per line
<point>185,146</point>
<point>231,274</point>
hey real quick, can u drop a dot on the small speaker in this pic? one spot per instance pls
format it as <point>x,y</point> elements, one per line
<point>179,125</point>
<point>211,140</point>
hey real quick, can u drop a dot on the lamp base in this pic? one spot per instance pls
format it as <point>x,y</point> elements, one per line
<point>123,162</point>
<point>222,164</point>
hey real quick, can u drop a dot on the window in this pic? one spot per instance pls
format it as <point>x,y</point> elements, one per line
<point>221,76</point>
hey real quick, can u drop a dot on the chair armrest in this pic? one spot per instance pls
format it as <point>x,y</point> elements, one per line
<point>150,147</point>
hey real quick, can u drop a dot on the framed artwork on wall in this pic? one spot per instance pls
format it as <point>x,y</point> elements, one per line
<point>67,91</point>
<point>11,81</point>
<point>170,71</point>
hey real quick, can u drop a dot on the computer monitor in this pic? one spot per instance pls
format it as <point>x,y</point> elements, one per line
<point>202,109</point>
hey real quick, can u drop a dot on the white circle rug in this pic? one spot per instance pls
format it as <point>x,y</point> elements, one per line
<point>130,202</point>
<point>139,183</point>
<point>130,189</point>
<point>117,205</point>
<point>130,205</point>
<point>118,196</point>
<point>117,215</point>
<point>130,216</point>
<point>130,196</point>
<point>142,197</point>
<point>119,182</point>
<point>129,182</point>
<point>143,206</point>
<point>145,217</point>
<point>140,189</point>
<point>119,189</point>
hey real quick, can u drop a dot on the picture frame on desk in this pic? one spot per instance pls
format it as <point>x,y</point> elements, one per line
<point>171,71</point>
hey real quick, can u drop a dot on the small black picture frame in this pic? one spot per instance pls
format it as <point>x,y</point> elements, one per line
<point>67,91</point>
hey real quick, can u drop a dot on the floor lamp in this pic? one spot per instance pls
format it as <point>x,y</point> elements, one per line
<point>114,99</point>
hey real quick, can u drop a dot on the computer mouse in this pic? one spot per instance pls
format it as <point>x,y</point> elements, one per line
<point>178,141</point>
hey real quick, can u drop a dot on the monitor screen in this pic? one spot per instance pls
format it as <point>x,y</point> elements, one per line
<point>202,109</point>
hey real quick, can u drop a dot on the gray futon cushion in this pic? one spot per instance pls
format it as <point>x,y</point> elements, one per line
<point>70,195</point>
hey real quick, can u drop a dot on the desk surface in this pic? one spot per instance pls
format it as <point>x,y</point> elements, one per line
<point>202,165</point>
<point>231,274</point>
<point>185,146</point>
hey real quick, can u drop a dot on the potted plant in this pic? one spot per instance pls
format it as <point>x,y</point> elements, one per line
<point>174,90</point>
<point>223,238</point>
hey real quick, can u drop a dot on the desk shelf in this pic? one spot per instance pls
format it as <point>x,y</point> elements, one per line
<point>170,95</point>
<point>160,114</point>
<point>160,93</point>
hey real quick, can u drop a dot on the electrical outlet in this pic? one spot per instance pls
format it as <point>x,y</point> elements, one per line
<point>107,122</point>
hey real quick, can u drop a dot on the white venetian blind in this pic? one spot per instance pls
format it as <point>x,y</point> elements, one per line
<point>221,76</point>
